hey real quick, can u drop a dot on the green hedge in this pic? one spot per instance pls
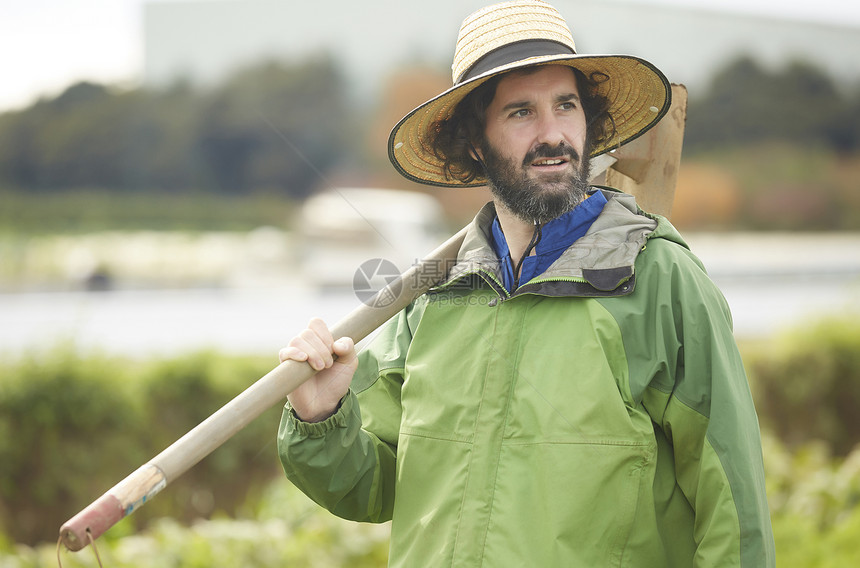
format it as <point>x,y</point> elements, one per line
<point>806,383</point>
<point>89,210</point>
<point>71,427</point>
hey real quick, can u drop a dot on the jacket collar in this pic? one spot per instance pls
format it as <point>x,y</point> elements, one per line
<point>599,263</point>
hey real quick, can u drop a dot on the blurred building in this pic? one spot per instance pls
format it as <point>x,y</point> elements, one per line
<point>203,41</point>
<point>342,229</point>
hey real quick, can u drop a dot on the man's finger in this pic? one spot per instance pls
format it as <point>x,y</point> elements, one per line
<point>320,327</point>
<point>319,351</point>
<point>344,348</point>
<point>292,353</point>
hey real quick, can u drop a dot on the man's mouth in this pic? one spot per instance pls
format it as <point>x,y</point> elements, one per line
<point>546,157</point>
<point>544,162</point>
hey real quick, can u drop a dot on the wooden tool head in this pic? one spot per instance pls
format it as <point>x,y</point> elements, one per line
<point>647,167</point>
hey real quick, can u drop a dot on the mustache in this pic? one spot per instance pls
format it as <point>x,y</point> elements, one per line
<point>546,151</point>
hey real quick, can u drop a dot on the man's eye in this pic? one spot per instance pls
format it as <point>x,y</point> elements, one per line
<point>568,106</point>
<point>523,112</point>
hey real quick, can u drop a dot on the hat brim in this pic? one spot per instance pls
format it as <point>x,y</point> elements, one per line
<point>639,96</point>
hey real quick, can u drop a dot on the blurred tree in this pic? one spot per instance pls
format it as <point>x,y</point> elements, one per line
<point>844,130</point>
<point>18,149</point>
<point>747,104</point>
<point>80,94</point>
<point>286,129</point>
<point>271,127</point>
<point>91,137</point>
<point>159,146</point>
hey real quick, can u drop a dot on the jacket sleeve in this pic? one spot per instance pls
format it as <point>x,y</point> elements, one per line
<point>700,398</point>
<point>347,463</point>
<point>343,468</point>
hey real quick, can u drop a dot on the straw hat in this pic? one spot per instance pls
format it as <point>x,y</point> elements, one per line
<point>511,35</point>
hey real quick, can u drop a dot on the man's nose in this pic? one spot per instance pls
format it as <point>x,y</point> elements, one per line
<point>549,130</point>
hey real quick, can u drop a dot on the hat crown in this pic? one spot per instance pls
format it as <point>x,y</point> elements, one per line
<point>498,25</point>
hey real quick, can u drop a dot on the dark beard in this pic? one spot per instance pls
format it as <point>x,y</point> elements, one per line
<point>531,200</point>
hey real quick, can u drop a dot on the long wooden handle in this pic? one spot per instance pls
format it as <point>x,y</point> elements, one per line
<point>144,483</point>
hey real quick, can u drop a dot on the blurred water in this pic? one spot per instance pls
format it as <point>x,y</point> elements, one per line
<point>145,323</point>
<point>764,305</point>
<point>775,280</point>
<point>164,322</point>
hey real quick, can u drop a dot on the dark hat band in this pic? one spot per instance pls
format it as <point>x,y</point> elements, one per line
<point>514,52</point>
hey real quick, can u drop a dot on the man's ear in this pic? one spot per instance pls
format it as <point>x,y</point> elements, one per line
<point>476,154</point>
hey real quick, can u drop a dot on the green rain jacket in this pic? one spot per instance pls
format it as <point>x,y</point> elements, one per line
<point>598,416</point>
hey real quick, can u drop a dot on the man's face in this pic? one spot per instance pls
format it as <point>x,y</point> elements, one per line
<point>534,143</point>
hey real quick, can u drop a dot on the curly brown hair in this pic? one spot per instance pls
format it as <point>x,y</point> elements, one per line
<point>453,140</point>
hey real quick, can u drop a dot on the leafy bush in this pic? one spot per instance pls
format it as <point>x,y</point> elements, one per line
<point>806,384</point>
<point>814,501</point>
<point>288,530</point>
<point>72,427</point>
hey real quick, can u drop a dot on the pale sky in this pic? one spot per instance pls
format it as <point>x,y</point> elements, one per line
<point>48,44</point>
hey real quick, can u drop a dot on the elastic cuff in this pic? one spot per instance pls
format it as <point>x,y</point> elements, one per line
<point>319,429</point>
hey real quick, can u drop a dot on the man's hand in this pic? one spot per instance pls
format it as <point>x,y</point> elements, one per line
<point>318,397</point>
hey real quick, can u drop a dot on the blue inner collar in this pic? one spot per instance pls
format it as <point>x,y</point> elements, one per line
<point>556,237</point>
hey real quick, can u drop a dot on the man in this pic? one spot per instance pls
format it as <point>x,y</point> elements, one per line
<point>570,394</point>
